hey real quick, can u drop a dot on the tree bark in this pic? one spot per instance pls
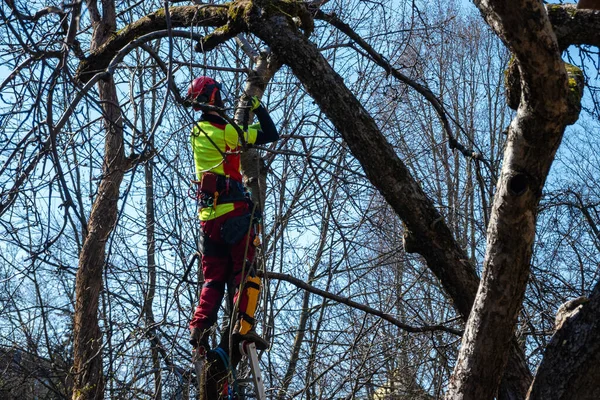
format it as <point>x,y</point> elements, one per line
<point>253,166</point>
<point>569,369</point>
<point>429,233</point>
<point>87,359</point>
<point>533,138</point>
<point>87,356</point>
<point>573,26</point>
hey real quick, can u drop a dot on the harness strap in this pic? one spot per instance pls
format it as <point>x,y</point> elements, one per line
<point>226,190</point>
<point>215,285</point>
<point>250,284</point>
<point>247,318</point>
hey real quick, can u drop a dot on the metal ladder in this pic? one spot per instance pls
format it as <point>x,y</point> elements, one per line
<point>247,349</point>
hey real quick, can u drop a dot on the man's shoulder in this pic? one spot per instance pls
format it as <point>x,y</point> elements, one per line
<point>208,127</point>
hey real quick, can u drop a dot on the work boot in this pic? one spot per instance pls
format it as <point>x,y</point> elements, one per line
<point>250,336</point>
<point>216,374</point>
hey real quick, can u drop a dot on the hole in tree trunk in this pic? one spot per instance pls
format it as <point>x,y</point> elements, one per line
<point>517,185</point>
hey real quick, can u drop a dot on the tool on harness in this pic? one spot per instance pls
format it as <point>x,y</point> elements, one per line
<point>213,189</point>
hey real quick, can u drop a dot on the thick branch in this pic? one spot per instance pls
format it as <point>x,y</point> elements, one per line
<point>533,138</point>
<point>526,30</point>
<point>217,37</point>
<point>573,26</point>
<point>184,16</point>
<point>576,81</point>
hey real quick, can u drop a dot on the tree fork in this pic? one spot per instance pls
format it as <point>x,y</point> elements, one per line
<point>386,171</point>
<point>533,138</point>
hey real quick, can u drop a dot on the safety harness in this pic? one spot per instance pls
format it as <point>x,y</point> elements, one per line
<point>215,189</point>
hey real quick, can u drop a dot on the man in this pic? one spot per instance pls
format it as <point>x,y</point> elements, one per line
<point>225,213</point>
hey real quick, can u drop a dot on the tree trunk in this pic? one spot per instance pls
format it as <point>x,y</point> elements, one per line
<point>87,352</point>
<point>534,137</point>
<point>429,234</point>
<point>569,369</point>
<point>87,358</point>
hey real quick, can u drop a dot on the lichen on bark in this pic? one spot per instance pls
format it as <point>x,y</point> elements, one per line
<point>576,85</point>
<point>512,83</point>
<point>576,81</point>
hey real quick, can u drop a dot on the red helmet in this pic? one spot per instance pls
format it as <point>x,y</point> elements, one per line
<point>203,90</point>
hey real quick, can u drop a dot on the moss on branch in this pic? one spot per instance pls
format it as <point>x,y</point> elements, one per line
<point>574,26</point>
<point>229,19</point>
<point>512,83</point>
<point>576,84</point>
<point>184,16</point>
<point>576,81</point>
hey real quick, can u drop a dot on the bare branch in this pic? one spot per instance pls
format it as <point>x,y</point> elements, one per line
<point>39,14</point>
<point>344,300</point>
<point>424,91</point>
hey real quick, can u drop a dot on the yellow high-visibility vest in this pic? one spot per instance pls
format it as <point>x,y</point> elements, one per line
<point>207,158</point>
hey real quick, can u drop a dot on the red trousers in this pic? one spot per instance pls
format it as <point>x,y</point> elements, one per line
<point>222,266</point>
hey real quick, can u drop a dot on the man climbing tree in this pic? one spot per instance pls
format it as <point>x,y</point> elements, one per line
<point>490,365</point>
<point>228,220</point>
